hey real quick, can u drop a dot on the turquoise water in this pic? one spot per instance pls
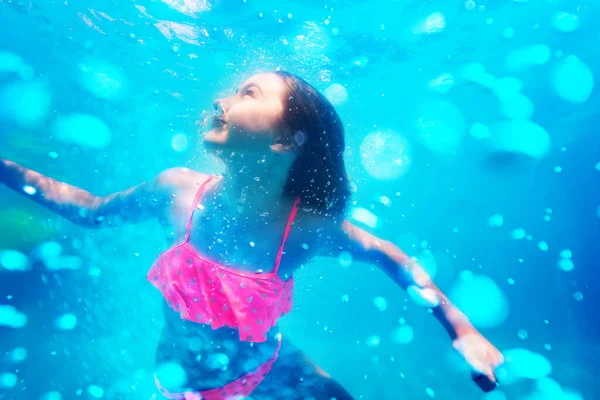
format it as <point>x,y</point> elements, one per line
<point>471,143</point>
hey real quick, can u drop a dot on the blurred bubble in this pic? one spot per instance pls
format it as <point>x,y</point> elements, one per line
<point>364,216</point>
<point>14,260</point>
<point>17,355</point>
<point>63,263</point>
<point>435,22</point>
<point>11,317</point>
<point>336,94</point>
<point>545,389</point>
<point>179,142</point>
<point>565,22</point>
<point>10,62</point>
<point>440,125</point>
<point>573,80</point>
<point>101,78</point>
<point>66,322</point>
<point>522,364</point>
<point>443,83</point>
<point>527,57</point>
<point>386,155</point>
<point>380,303</point>
<point>519,137</point>
<point>83,130</point>
<point>517,107</point>
<point>403,334</point>
<point>480,131</point>
<point>373,341</point>
<point>24,103</point>
<point>171,376</point>
<point>428,263</point>
<point>496,221</point>
<point>51,396</point>
<point>482,301</point>
<point>8,380</point>
<point>218,361</point>
<point>345,259</point>
<point>95,391</point>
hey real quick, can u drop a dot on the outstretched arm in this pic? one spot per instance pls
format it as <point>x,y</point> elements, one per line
<point>481,355</point>
<point>83,208</point>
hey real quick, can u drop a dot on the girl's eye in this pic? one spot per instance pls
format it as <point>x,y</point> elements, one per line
<point>250,92</point>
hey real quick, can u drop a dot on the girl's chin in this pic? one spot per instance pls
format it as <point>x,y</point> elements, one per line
<point>215,136</point>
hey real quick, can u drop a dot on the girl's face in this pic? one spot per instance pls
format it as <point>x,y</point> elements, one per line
<point>251,118</point>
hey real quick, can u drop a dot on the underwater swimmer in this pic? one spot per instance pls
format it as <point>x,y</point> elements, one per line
<point>238,238</point>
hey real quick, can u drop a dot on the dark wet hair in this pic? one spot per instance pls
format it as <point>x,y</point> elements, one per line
<point>318,175</point>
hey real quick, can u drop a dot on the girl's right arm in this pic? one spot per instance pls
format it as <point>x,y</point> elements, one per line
<point>136,204</point>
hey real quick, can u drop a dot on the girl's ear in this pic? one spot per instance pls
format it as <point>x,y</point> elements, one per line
<point>290,143</point>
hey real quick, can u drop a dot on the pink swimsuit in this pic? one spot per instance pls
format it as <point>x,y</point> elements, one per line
<point>206,292</point>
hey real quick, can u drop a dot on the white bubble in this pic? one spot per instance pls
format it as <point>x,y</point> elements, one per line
<point>518,234</point>
<point>171,375</point>
<point>373,341</point>
<point>403,334</point>
<point>101,78</point>
<point>179,142</point>
<point>472,71</point>
<point>443,83</point>
<point>566,253</point>
<point>423,297</point>
<point>380,303</point>
<point>578,296</point>
<point>47,250</point>
<point>520,137</point>
<point>480,131</point>
<point>8,380</point>
<point>435,22</point>
<point>345,259</point>
<point>95,391</point>
<point>496,221</point>
<point>427,261</point>
<point>543,246</point>
<point>11,317</point>
<point>83,130</point>
<point>17,354</point>
<point>10,62</point>
<point>528,57</point>
<point>63,263</point>
<point>66,322</point>
<point>522,364</point>
<point>386,155</point>
<point>517,107</point>
<point>470,5</point>
<point>565,22</point>
<point>364,216</point>
<point>218,361</point>
<point>440,125</point>
<point>573,80</point>
<point>336,94</point>
<point>14,260</point>
<point>24,103</point>
<point>51,396</point>
<point>482,301</point>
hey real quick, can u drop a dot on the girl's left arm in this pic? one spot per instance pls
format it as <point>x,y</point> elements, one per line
<point>480,354</point>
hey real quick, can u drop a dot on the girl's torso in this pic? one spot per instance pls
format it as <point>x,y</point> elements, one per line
<point>237,240</point>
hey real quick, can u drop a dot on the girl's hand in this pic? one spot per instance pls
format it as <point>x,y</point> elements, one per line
<point>481,356</point>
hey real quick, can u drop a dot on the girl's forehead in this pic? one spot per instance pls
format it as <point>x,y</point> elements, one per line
<point>268,83</point>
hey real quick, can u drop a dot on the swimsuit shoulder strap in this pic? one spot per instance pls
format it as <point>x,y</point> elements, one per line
<point>188,228</point>
<point>286,233</point>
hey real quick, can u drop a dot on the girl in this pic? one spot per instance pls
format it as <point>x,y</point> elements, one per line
<point>240,236</point>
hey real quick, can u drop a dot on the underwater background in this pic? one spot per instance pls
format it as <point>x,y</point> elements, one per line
<point>472,143</point>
